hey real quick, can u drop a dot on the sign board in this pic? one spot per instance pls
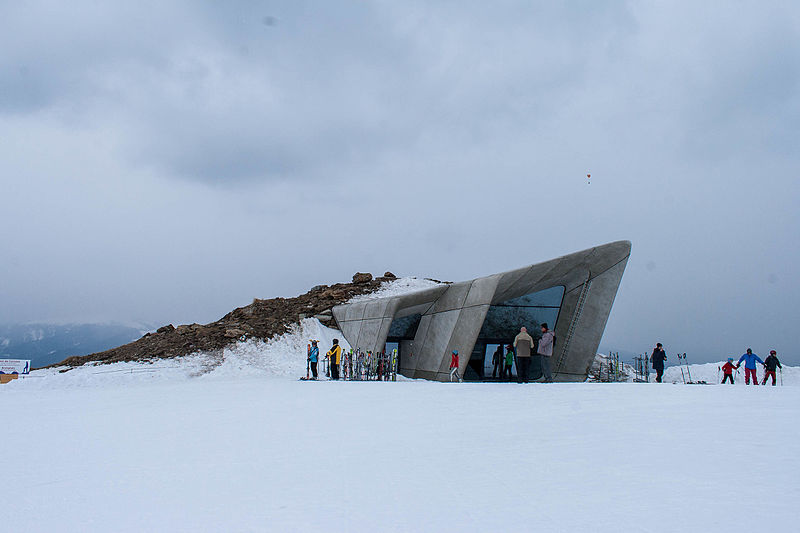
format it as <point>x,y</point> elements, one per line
<point>15,366</point>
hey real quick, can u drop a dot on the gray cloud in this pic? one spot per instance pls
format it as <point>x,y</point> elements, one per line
<point>168,162</point>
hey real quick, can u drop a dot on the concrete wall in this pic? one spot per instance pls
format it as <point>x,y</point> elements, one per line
<point>452,315</point>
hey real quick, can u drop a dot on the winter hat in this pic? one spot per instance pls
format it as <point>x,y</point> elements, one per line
<point>772,352</point>
<point>455,352</point>
<point>730,359</point>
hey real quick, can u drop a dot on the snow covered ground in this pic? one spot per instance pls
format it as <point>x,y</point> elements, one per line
<point>398,287</point>
<point>195,445</point>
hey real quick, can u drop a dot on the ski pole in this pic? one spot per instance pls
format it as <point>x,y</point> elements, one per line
<point>683,377</point>
<point>718,370</point>
<point>780,371</point>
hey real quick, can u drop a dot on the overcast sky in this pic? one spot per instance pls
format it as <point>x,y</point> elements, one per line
<point>169,161</point>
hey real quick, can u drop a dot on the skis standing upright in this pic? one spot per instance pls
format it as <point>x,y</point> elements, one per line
<point>688,372</point>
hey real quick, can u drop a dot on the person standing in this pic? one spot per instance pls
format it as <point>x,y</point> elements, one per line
<point>509,360</point>
<point>750,359</point>
<point>523,344</point>
<point>727,370</point>
<point>454,366</point>
<point>335,357</point>
<point>497,362</point>
<point>657,361</point>
<point>770,364</point>
<point>545,349</point>
<point>313,357</point>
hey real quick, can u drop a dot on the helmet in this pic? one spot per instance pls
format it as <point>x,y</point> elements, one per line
<point>455,352</point>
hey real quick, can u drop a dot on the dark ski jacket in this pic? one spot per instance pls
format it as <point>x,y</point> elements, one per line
<point>658,358</point>
<point>772,362</point>
<point>750,360</point>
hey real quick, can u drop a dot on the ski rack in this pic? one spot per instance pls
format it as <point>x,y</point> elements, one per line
<point>360,365</point>
<point>641,368</point>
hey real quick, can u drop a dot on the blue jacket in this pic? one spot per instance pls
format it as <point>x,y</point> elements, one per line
<point>313,354</point>
<point>750,360</point>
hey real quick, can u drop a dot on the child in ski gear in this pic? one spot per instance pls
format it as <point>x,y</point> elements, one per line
<point>727,370</point>
<point>508,362</point>
<point>750,359</point>
<point>313,357</point>
<point>770,364</point>
<point>335,356</point>
<point>454,366</point>
<point>523,343</point>
<point>657,360</point>
<point>545,349</point>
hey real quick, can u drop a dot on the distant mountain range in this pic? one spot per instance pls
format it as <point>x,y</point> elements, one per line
<point>45,344</point>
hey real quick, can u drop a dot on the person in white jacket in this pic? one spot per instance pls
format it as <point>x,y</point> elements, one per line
<point>545,349</point>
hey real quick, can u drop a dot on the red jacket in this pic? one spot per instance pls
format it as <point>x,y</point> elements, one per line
<point>454,361</point>
<point>727,368</point>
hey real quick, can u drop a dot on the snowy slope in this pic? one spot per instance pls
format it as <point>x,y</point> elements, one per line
<point>272,454</point>
<point>236,443</point>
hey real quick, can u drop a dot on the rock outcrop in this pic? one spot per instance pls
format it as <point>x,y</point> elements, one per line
<point>262,319</point>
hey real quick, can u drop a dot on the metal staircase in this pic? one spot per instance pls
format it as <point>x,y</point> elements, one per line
<point>574,322</point>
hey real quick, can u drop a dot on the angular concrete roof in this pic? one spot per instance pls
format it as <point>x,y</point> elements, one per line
<point>453,314</point>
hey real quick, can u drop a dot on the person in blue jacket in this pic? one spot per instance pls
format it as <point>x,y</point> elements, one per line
<point>750,359</point>
<point>313,356</point>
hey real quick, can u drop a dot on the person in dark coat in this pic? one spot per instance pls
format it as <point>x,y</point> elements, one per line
<point>657,361</point>
<point>770,364</point>
<point>497,362</point>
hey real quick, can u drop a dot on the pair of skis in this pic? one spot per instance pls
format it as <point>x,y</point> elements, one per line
<point>682,361</point>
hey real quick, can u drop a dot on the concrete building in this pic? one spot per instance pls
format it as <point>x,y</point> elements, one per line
<point>573,294</point>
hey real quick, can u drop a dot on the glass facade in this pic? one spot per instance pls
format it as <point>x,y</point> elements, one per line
<point>404,328</point>
<point>502,324</point>
<point>504,320</point>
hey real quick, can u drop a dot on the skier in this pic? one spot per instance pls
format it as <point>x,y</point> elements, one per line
<point>335,356</point>
<point>454,366</point>
<point>497,361</point>
<point>750,359</point>
<point>545,349</point>
<point>769,367</point>
<point>727,370</point>
<point>523,344</point>
<point>657,360</point>
<point>509,360</point>
<point>313,357</point>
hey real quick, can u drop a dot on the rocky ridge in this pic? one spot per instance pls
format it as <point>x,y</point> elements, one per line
<point>262,319</point>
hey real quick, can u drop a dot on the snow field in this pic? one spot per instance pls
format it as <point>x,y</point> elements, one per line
<point>233,442</point>
<point>253,454</point>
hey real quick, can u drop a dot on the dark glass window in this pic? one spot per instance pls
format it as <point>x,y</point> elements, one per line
<point>504,320</point>
<point>404,328</point>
